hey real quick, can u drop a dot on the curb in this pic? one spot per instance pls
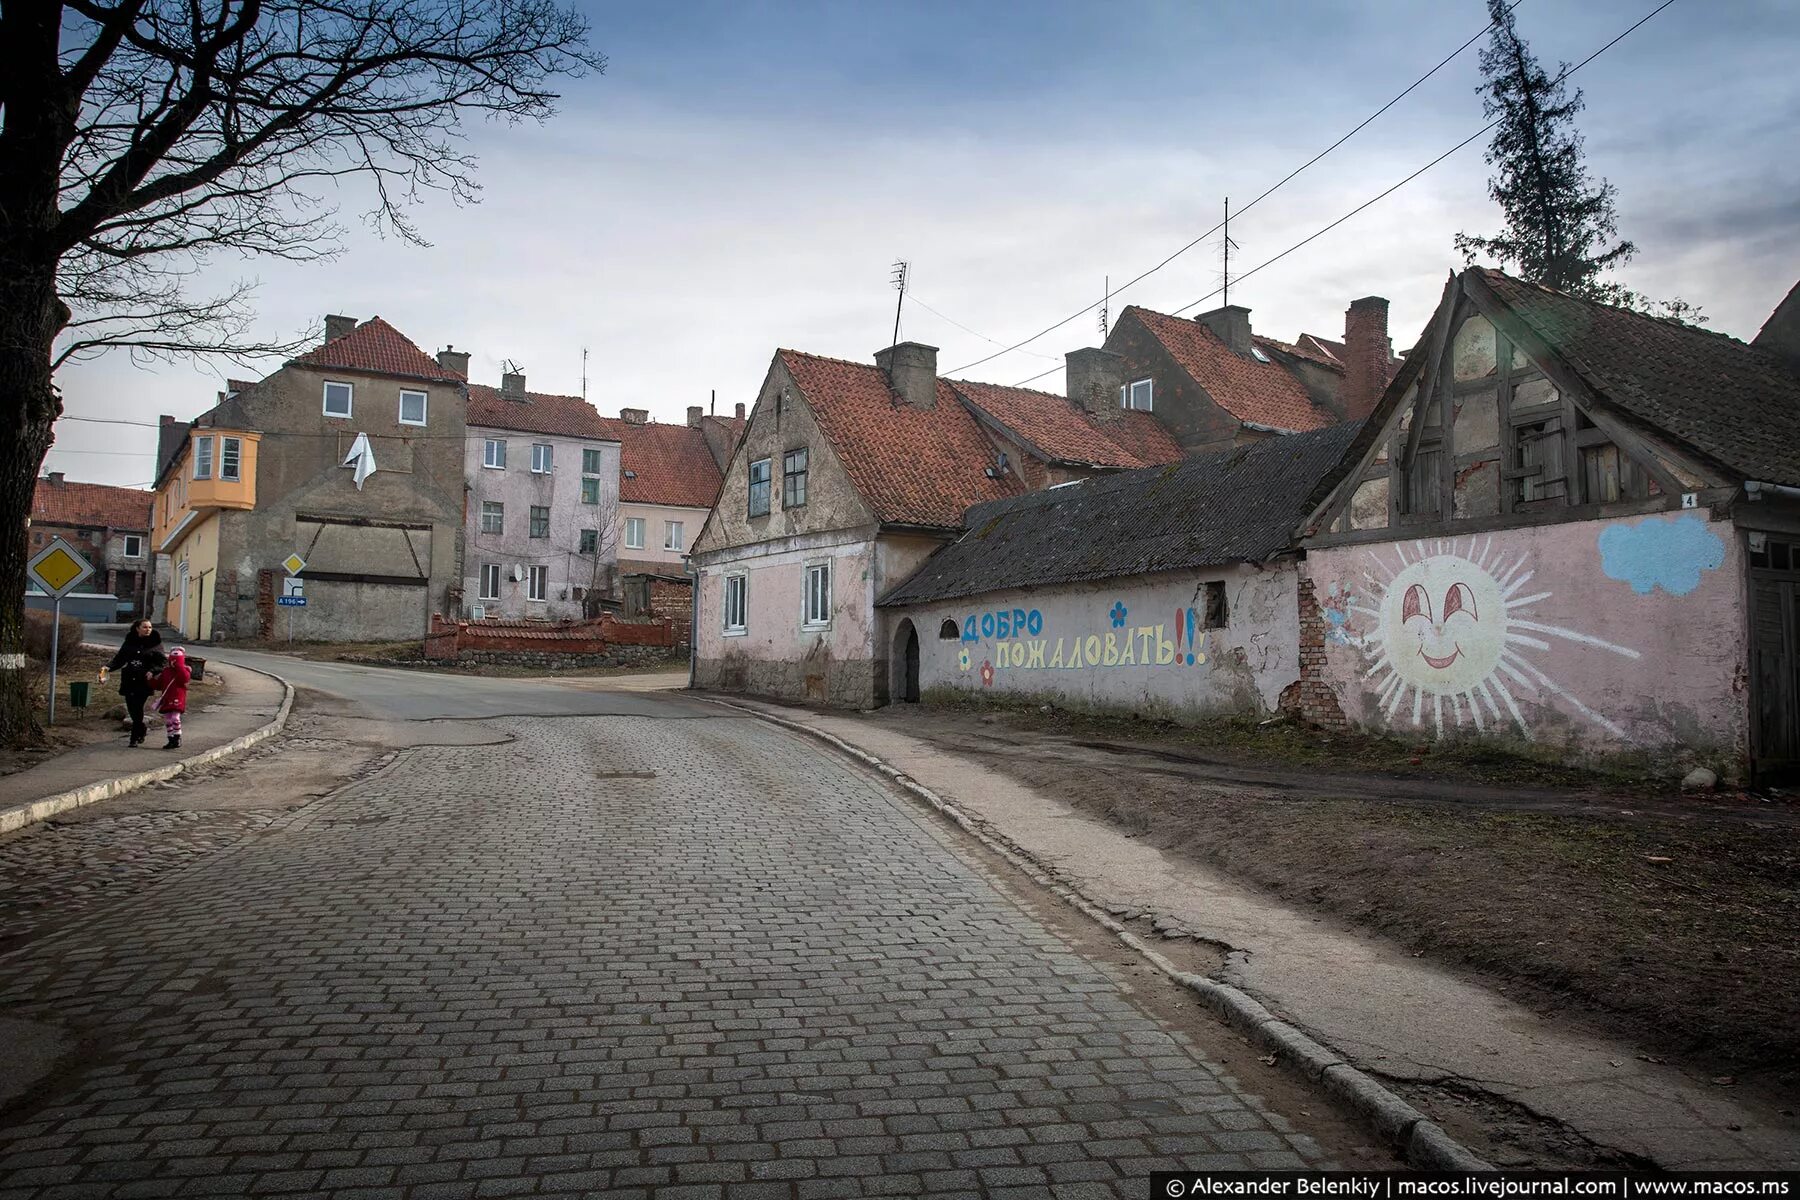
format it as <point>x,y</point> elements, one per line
<point>1422,1142</point>
<point>39,810</point>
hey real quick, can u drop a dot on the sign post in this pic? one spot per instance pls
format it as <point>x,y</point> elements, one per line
<point>59,570</point>
<point>293,590</point>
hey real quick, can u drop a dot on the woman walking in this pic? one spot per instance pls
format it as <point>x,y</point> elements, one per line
<point>138,662</point>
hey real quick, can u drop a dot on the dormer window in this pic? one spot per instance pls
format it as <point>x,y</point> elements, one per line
<point>1136,395</point>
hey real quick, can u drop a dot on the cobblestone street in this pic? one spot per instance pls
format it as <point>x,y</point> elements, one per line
<point>681,951</point>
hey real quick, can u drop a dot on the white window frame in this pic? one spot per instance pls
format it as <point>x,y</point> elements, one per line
<point>424,406</point>
<point>349,399</point>
<point>231,459</point>
<point>537,584</point>
<point>640,523</point>
<point>815,585</point>
<point>543,458</point>
<point>203,458</point>
<point>737,597</point>
<point>127,551</point>
<point>499,515</point>
<point>674,536</point>
<point>1128,395</point>
<point>488,571</point>
<point>493,454</point>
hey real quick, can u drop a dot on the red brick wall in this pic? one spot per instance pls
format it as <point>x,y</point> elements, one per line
<point>1310,698</point>
<point>451,639</point>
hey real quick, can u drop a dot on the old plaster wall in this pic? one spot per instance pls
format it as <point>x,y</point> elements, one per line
<point>656,518</point>
<point>1602,635</point>
<point>1136,644</point>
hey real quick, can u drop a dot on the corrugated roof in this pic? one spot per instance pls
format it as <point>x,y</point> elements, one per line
<point>1737,405</point>
<point>914,466</point>
<point>92,504</point>
<point>1260,393</point>
<point>1064,432</point>
<point>537,412</point>
<point>1238,505</point>
<point>380,349</point>
<point>664,464</point>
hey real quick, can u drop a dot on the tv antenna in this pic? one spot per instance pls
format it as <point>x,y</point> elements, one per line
<point>1105,306</point>
<point>1228,247</point>
<point>901,270</point>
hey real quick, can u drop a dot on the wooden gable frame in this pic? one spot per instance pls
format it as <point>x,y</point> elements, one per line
<point>1653,473</point>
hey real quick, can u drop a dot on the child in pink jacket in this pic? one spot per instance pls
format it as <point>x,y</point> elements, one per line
<point>174,684</point>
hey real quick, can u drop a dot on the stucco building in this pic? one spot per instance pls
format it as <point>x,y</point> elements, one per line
<point>110,526</point>
<point>541,536</point>
<point>381,555</point>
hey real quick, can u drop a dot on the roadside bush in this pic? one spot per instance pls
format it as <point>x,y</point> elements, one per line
<point>37,637</point>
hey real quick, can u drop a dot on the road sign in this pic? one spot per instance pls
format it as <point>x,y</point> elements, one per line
<point>291,601</point>
<point>294,564</point>
<point>57,568</point>
<point>293,588</point>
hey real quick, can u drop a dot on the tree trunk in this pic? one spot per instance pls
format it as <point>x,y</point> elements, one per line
<point>31,315</point>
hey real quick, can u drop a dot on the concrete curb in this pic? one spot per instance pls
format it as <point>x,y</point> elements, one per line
<point>1423,1143</point>
<point>38,810</point>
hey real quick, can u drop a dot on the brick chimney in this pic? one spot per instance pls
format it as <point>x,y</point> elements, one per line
<point>635,416</point>
<point>738,414</point>
<point>336,326</point>
<point>694,414</point>
<point>912,372</point>
<point>512,385</point>
<point>1094,377</point>
<point>1232,324</point>
<point>1367,352</point>
<point>55,478</point>
<point>453,360</point>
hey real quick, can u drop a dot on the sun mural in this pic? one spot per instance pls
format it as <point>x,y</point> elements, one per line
<point>1452,632</point>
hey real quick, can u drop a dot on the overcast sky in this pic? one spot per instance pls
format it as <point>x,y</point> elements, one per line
<point>742,175</point>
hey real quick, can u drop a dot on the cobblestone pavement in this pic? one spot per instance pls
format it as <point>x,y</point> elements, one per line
<point>617,954</point>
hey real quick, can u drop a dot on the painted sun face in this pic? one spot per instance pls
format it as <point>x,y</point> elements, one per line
<point>1445,621</point>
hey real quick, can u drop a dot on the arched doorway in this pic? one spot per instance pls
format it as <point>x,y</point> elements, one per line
<point>906,659</point>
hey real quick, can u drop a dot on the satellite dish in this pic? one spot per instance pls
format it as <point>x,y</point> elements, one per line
<point>518,573</point>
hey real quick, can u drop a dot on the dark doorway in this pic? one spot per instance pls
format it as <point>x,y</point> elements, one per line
<point>1775,657</point>
<point>908,637</point>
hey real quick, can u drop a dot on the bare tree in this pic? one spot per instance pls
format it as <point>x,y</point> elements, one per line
<point>139,138</point>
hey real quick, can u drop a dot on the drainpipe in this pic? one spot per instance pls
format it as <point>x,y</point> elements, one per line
<point>1756,490</point>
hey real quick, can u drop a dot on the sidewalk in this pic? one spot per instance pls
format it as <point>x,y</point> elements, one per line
<point>251,701</point>
<point>1502,1076</point>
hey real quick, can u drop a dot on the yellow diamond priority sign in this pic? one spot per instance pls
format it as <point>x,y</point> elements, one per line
<point>58,569</point>
<point>294,564</point>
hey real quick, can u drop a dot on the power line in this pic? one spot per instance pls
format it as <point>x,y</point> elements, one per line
<point>1289,177</point>
<point>953,321</point>
<point>1434,162</point>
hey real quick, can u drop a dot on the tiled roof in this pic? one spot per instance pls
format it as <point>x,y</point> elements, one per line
<point>94,504</point>
<point>663,464</point>
<point>1256,392</point>
<point>1322,349</point>
<point>1733,403</point>
<point>538,412</point>
<point>914,466</point>
<point>1065,433</point>
<point>1237,505</point>
<point>379,349</point>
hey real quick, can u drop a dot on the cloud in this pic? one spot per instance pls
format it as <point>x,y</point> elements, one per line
<point>1669,553</point>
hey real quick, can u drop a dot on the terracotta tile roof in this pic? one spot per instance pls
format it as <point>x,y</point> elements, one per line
<point>93,504</point>
<point>379,349</point>
<point>1064,433</point>
<point>914,466</point>
<point>1255,392</point>
<point>538,412</point>
<point>664,464</point>
<point>1321,349</point>
<point>1734,403</point>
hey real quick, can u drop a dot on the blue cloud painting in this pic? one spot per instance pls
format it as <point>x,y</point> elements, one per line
<point>1667,553</point>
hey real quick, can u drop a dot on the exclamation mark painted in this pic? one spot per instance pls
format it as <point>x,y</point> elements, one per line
<point>1190,629</point>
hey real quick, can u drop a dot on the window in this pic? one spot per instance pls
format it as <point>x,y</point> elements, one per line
<point>412,408</point>
<point>493,454</point>
<point>736,591</point>
<point>759,488</point>
<point>1217,617</point>
<point>540,521</point>
<point>134,546</point>
<point>203,458</point>
<point>1424,487</point>
<point>817,608</point>
<point>337,399</point>
<point>490,581</point>
<point>590,490</point>
<point>947,632</point>
<point>634,533</point>
<point>793,478</point>
<point>590,541</point>
<point>231,456</point>
<point>493,516</point>
<point>672,534</point>
<point>537,584</point>
<point>1537,472</point>
<point>590,462</point>
<point>540,458</point>
<point>1136,395</point>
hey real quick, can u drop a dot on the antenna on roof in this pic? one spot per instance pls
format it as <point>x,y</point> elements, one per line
<point>712,406</point>
<point>1229,246</point>
<point>1105,305</point>
<point>901,269</point>
<point>584,372</point>
<point>509,367</point>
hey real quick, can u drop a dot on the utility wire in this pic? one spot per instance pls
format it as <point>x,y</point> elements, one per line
<point>972,332</point>
<point>1289,177</point>
<point>1434,162</point>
